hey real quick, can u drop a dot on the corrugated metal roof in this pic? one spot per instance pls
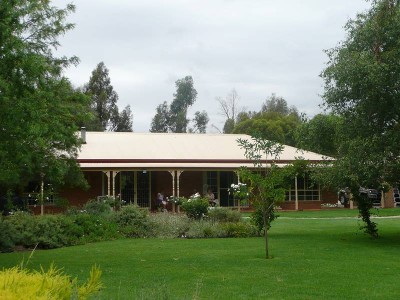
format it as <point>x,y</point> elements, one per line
<point>171,150</point>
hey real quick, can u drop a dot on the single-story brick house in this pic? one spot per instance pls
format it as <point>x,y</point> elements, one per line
<point>136,166</point>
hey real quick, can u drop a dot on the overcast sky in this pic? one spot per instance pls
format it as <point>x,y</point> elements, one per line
<point>257,47</point>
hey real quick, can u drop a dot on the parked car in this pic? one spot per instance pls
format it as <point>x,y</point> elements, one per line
<point>396,197</point>
<point>373,194</point>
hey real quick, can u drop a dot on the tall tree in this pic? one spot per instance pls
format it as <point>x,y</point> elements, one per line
<point>173,118</point>
<point>200,122</point>
<point>122,121</point>
<point>39,111</point>
<point>279,105</point>
<point>362,82</point>
<point>103,99</point>
<point>229,108</point>
<point>161,119</point>
<point>184,97</point>
<point>319,134</point>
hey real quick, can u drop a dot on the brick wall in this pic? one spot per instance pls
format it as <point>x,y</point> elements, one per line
<point>78,196</point>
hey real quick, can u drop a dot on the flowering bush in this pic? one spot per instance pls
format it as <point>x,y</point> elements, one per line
<point>195,196</point>
<point>329,205</point>
<point>176,200</point>
<point>195,207</point>
<point>239,191</point>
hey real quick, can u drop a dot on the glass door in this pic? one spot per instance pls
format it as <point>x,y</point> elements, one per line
<point>143,188</point>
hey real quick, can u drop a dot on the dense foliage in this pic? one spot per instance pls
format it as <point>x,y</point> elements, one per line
<point>196,207</point>
<point>276,121</point>
<point>320,134</point>
<point>362,87</point>
<point>97,221</point>
<point>39,110</point>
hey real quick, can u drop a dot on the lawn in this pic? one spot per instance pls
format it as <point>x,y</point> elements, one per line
<point>338,213</point>
<point>312,259</point>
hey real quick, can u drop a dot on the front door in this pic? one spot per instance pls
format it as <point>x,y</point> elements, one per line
<point>135,188</point>
<point>143,189</point>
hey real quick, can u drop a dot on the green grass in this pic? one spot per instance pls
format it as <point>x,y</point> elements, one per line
<point>337,213</point>
<point>312,259</point>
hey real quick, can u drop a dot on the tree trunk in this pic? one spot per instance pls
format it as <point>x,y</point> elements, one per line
<point>266,244</point>
<point>265,234</point>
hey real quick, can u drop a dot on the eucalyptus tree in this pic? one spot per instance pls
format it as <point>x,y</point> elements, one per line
<point>122,121</point>
<point>319,134</point>
<point>362,81</point>
<point>279,105</point>
<point>184,97</point>
<point>200,122</point>
<point>271,125</point>
<point>229,108</point>
<point>173,117</point>
<point>160,120</point>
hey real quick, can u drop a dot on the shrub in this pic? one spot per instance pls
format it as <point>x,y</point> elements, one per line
<point>95,227</point>
<point>54,231</point>
<point>204,229</point>
<point>25,229</point>
<point>241,229</point>
<point>169,225</point>
<point>223,214</point>
<point>208,229</point>
<point>98,208</point>
<point>17,283</point>
<point>133,222</point>
<point>195,208</point>
<point>7,236</point>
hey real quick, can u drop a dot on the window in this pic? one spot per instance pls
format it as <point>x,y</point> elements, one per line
<point>306,190</point>
<point>226,179</point>
<point>211,182</point>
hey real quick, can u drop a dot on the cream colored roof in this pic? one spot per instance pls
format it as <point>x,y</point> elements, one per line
<point>171,150</point>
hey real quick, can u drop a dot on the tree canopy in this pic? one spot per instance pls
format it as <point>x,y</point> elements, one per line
<point>200,122</point>
<point>319,134</point>
<point>270,125</point>
<point>161,119</point>
<point>103,105</point>
<point>173,118</point>
<point>275,121</point>
<point>279,105</point>
<point>184,97</point>
<point>362,81</point>
<point>39,110</point>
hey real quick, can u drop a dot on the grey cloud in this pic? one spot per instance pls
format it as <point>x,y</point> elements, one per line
<point>257,47</point>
